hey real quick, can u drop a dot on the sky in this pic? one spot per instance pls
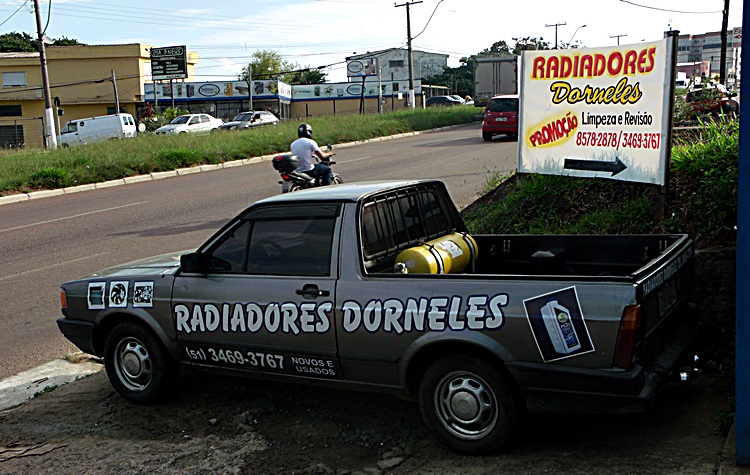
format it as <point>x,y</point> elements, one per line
<point>323,32</point>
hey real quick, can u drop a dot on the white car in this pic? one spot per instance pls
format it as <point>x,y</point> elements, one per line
<point>191,123</point>
<point>247,120</point>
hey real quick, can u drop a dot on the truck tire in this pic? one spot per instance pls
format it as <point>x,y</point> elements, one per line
<point>487,136</point>
<point>467,404</point>
<point>138,366</point>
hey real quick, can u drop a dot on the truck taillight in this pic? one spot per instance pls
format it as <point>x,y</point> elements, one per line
<point>63,299</point>
<point>627,341</point>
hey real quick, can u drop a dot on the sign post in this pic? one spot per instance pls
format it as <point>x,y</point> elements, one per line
<point>169,63</point>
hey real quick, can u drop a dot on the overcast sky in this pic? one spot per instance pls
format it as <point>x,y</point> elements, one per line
<point>323,32</point>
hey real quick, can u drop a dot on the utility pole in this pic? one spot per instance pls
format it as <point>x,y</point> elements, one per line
<point>50,139</point>
<point>117,96</point>
<point>411,54</point>
<point>723,61</point>
<point>250,86</point>
<point>556,25</point>
<point>618,37</point>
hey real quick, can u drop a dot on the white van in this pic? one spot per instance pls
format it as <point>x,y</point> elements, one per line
<point>96,129</point>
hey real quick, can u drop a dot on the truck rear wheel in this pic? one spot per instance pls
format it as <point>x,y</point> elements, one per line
<point>467,404</point>
<point>138,366</point>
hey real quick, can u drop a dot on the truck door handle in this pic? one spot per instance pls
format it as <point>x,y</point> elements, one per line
<point>311,291</point>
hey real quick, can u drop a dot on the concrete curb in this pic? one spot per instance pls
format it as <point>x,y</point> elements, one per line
<point>189,170</point>
<point>18,389</point>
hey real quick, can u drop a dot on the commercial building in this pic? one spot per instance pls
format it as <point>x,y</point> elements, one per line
<point>394,64</point>
<point>85,81</point>
<point>82,83</point>
<point>704,53</point>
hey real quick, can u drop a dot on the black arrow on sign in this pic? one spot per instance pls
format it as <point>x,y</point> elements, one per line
<point>595,165</point>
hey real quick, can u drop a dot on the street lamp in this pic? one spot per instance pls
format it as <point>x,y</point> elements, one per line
<point>574,35</point>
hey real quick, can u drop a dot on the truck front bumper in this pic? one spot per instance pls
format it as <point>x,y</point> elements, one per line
<point>79,332</point>
<point>557,389</point>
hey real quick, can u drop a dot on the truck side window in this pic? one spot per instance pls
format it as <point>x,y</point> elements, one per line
<point>394,221</point>
<point>297,246</point>
<point>70,128</point>
<point>230,255</point>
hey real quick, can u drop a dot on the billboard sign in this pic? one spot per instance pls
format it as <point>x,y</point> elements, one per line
<point>169,63</point>
<point>351,90</point>
<point>197,91</point>
<point>361,67</point>
<point>597,112</point>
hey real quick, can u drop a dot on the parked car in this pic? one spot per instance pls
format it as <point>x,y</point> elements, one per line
<point>458,98</point>
<point>500,116</point>
<point>441,101</point>
<point>191,123</point>
<point>96,129</point>
<point>712,99</point>
<point>246,120</point>
<point>378,286</point>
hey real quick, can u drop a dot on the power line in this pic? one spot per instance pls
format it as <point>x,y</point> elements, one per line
<point>14,13</point>
<point>666,9</point>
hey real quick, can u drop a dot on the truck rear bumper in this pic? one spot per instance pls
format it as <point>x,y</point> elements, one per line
<point>586,391</point>
<point>80,333</point>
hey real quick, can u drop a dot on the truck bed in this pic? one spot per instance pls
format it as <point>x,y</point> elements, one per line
<point>570,255</point>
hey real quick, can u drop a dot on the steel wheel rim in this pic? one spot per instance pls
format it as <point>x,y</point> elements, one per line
<point>133,364</point>
<point>465,405</point>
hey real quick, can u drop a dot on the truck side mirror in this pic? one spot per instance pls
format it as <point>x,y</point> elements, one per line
<point>194,263</point>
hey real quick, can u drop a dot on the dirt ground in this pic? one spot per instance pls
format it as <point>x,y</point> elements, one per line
<point>243,426</point>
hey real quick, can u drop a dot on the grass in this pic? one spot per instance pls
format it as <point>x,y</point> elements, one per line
<point>30,170</point>
<point>702,199</point>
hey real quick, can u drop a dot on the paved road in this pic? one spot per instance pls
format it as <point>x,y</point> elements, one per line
<point>48,241</point>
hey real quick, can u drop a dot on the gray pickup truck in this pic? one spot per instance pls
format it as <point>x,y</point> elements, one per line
<point>378,287</point>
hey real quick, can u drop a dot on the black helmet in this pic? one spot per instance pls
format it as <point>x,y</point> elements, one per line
<point>304,130</point>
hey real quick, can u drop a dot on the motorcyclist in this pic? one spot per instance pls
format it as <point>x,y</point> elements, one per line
<point>304,148</point>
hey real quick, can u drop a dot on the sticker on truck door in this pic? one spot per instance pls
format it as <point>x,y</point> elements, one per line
<point>558,325</point>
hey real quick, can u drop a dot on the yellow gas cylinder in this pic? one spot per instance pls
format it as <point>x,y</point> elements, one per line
<point>449,254</point>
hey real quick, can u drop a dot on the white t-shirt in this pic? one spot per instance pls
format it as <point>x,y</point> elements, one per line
<point>304,149</point>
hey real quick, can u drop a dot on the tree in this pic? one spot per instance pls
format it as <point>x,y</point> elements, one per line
<point>269,64</point>
<point>17,42</point>
<point>265,64</point>
<point>307,76</point>
<point>24,43</point>
<point>498,47</point>
<point>529,43</point>
<point>64,41</point>
<point>460,80</point>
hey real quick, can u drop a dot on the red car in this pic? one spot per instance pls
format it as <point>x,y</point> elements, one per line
<point>501,116</point>
<point>712,99</point>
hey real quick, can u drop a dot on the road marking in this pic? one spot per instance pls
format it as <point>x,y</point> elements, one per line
<point>355,159</point>
<point>51,266</point>
<point>74,216</point>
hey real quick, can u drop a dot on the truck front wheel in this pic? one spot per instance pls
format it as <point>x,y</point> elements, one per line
<point>467,404</point>
<point>137,365</point>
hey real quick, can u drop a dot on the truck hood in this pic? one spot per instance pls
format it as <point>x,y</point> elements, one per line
<point>151,266</point>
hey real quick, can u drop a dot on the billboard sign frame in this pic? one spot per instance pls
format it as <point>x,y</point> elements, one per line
<point>597,112</point>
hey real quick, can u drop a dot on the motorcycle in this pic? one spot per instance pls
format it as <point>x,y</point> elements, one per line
<point>292,180</point>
